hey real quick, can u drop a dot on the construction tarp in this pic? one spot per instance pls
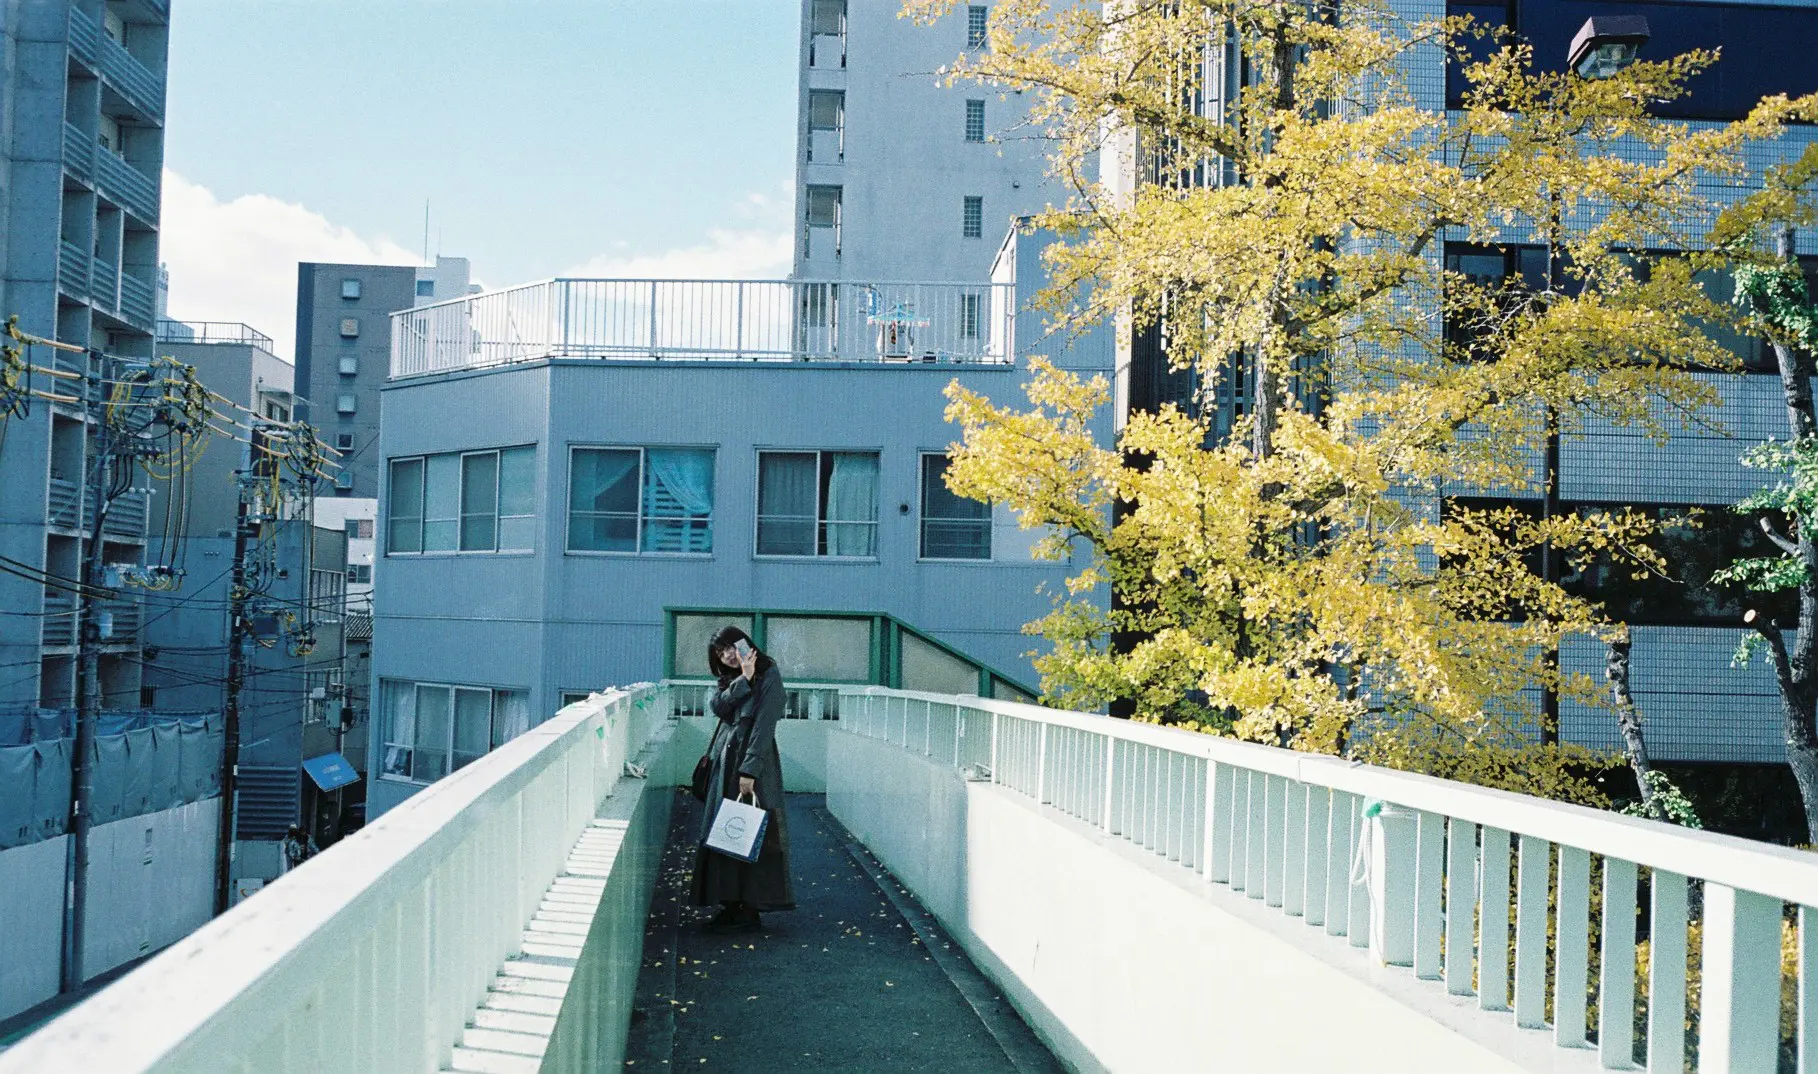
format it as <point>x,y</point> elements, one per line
<point>142,762</point>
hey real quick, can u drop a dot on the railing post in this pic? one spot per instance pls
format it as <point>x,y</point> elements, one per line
<point>653,318</point>
<point>1041,767</point>
<point>738,346</point>
<point>1392,845</point>
<point>1110,780</point>
<point>1739,1027</point>
<point>994,722</point>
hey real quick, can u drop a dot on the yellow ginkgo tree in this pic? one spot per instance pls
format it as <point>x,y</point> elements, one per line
<point>1301,575</point>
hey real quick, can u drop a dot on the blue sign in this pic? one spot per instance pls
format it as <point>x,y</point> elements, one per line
<point>330,771</point>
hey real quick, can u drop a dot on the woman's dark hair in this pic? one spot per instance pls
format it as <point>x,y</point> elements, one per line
<point>725,638</point>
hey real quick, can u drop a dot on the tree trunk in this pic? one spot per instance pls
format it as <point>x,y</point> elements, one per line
<point>1628,722</point>
<point>1793,669</point>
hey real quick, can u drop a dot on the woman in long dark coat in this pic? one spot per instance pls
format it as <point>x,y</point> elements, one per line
<point>743,752</point>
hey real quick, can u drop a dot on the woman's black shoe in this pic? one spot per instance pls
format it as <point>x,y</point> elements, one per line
<point>743,919</point>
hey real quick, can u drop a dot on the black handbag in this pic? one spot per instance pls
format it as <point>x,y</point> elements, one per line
<point>703,773</point>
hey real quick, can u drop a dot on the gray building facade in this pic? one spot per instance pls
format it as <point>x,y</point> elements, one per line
<point>897,176</point>
<point>344,349</point>
<point>81,155</point>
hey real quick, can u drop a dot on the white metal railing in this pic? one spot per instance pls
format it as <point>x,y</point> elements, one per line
<point>775,320</point>
<point>171,331</point>
<point>1455,880</point>
<point>371,956</point>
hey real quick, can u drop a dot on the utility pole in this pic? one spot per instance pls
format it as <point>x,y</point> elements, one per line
<point>236,677</point>
<point>88,708</point>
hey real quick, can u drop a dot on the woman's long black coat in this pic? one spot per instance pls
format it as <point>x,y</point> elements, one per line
<point>744,743</point>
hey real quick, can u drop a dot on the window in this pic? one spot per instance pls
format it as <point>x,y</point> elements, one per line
<point>822,212</point>
<point>972,218</point>
<point>826,126</point>
<point>350,365</point>
<point>640,500</point>
<point>327,594</point>
<point>952,527</point>
<point>826,110</point>
<point>817,503</point>
<point>975,121</point>
<point>478,501</point>
<point>344,441</point>
<point>431,729</point>
<point>969,315</point>
<point>350,288</point>
<point>350,328</point>
<point>359,573</point>
<point>276,411</point>
<point>975,26</point>
<point>344,403</point>
<point>828,17</point>
<point>359,529</point>
<point>426,288</point>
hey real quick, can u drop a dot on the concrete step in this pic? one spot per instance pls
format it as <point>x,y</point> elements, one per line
<point>470,1061</point>
<point>482,1039</point>
<point>515,1001</point>
<point>530,986</point>
<point>515,967</point>
<point>551,923</point>
<point>564,911</point>
<point>537,1025</point>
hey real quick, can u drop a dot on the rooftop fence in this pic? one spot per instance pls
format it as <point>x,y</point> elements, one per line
<point>735,320</point>
<point>212,332</point>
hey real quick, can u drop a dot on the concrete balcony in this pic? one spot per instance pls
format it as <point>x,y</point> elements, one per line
<point>123,183</point>
<point>62,508</point>
<point>119,69</point>
<point>726,320</point>
<point>59,629</point>
<point>78,153</point>
<point>75,269</point>
<point>1147,899</point>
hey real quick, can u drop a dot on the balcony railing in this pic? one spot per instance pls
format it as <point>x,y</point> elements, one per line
<point>122,70</point>
<point>104,285</point>
<point>126,185</point>
<point>59,628</point>
<point>78,152</point>
<point>137,303</point>
<point>126,515</point>
<point>761,320</point>
<point>118,621</point>
<point>84,36</point>
<point>62,506</point>
<point>74,270</point>
<point>212,332</point>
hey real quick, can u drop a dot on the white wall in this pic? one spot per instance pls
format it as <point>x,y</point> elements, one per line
<point>1119,959</point>
<point>151,883</point>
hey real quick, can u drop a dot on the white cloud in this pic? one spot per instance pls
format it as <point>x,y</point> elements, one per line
<point>237,260</point>
<point>726,255</point>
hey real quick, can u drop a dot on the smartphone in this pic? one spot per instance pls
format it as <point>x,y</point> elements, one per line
<point>742,648</point>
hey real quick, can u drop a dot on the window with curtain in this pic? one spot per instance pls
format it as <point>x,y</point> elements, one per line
<point>641,500</point>
<point>817,503</point>
<point>475,501</point>
<point>953,527</point>
<point>432,729</point>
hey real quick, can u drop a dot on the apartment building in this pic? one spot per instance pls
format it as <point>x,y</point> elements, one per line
<point>897,176</point>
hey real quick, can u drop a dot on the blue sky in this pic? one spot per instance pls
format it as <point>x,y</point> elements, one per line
<point>625,137</point>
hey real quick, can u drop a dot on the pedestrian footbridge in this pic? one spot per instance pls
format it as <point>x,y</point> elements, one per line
<point>1136,899</point>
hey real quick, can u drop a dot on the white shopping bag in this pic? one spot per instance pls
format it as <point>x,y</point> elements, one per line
<point>738,829</point>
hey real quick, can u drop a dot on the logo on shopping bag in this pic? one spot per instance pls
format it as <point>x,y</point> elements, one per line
<point>735,827</point>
